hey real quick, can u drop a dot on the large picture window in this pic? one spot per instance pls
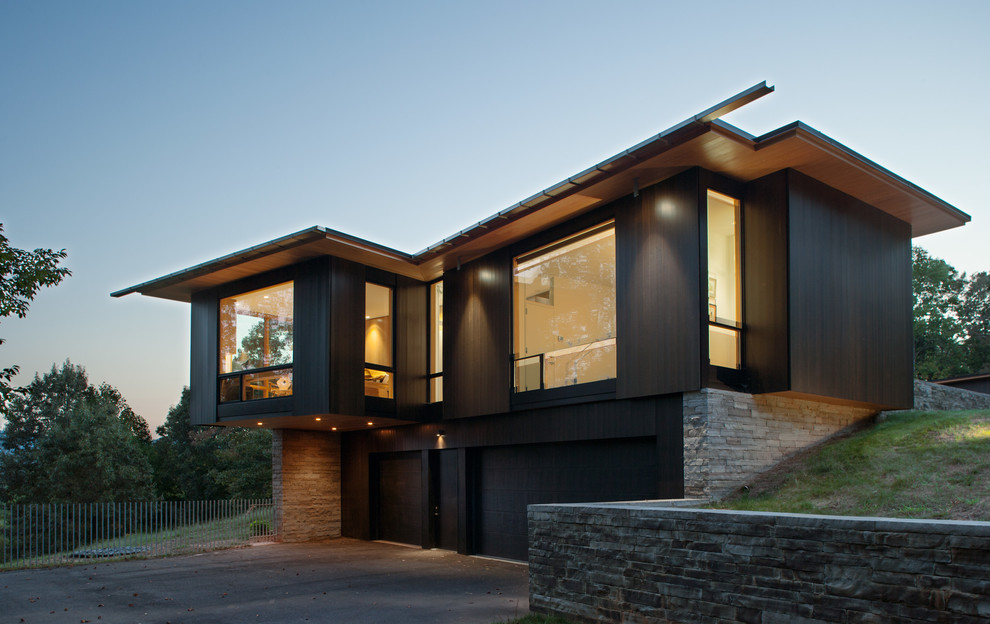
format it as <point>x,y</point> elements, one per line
<point>256,336</point>
<point>378,368</point>
<point>724,281</point>
<point>564,311</point>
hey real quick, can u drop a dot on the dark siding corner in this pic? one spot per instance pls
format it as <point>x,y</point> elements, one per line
<point>346,381</point>
<point>658,279</point>
<point>850,298</point>
<point>765,354</point>
<point>311,359</point>
<point>477,336</point>
<point>203,361</point>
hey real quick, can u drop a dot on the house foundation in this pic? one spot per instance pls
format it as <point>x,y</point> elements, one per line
<point>306,484</point>
<point>730,437</point>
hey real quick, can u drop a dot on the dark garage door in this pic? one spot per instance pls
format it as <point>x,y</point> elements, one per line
<point>509,478</point>
<point>400,498</point>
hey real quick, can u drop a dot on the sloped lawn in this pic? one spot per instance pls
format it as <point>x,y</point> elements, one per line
<point>912,465</point>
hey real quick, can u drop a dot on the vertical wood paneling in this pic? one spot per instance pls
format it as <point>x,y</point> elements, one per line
<point>411,347</point>
<point>765,338</point>
<point>203,357</point>
<point>477,336</point>
<point>346,379</point>
<point>311,338</point>
<point>850,297</point>
<point>658,281</point>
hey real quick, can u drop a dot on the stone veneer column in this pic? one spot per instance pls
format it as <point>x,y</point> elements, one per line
<point>306,484</point>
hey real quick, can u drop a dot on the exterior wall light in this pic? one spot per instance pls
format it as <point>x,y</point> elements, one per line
<point>440,433</point>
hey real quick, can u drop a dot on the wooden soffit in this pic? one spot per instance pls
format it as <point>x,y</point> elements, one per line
<point>702,141</point>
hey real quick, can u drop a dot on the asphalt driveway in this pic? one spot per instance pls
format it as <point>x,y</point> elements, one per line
<point>338,581</point>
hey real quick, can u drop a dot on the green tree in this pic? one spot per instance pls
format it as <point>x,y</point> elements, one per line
<point>199,463</point>
<point>69,441</point>
<point>22,275</point>
<point>938,331</point>
<point>975,314</point>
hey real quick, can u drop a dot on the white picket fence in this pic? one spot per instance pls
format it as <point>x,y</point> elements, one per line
<point>38,535</point>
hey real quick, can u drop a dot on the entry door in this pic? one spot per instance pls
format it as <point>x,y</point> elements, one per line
<point>400,498</point>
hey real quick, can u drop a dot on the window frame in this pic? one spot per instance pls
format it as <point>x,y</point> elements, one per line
<point>737,327</point>
<point>547,241</point>
<point>433,323</point>
<point>391,369</point>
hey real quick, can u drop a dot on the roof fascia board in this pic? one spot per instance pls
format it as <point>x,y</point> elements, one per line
<point>619,162</point>
<point>301,238</point>
<point>804,132</point>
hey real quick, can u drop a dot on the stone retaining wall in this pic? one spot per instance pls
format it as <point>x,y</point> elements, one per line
<point>930,396</point>
<point>729,437</point>
<point>642,562</point>
<point>306,484</point>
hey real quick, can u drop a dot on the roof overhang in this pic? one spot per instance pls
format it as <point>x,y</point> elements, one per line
<point>702,141</point>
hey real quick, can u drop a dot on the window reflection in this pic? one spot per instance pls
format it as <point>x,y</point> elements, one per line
<point>564,311</point>
<point>256,335</point>
<point>256,329</point>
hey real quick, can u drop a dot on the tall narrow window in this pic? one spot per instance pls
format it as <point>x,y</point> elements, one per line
<point>436,342</point>
<point>564,311</point>
<point>256,336</point>
<point>379,370</point>
<point>724,282</point>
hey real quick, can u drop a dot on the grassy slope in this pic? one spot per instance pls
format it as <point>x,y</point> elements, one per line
<point>912,465</point>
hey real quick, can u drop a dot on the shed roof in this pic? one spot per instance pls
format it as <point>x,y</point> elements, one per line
<point>703,140</point>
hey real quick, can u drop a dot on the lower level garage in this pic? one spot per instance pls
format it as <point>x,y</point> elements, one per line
<point>417,504</point>
<point>510,478</point>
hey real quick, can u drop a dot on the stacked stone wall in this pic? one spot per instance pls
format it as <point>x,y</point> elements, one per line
<point>306,484</point>
<point>646,563</point>
<point>930,396</point>
<point>729,437</point>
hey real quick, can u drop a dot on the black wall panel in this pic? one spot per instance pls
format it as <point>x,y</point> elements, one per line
<point>412,357</point>
<point>765,292</point>
<point>850,299</point>
<point>311,329</point>
<point>477,337</point>
<point>346,378</point>
<point>658,283</point>
<point>203,361</point>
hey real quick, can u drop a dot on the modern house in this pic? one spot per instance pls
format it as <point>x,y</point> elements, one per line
<point>668,322</point>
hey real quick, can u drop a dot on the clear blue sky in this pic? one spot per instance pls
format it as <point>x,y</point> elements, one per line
<point>145,137</point>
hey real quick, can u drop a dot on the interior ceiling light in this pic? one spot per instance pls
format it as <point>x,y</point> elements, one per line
<point>370,423</point>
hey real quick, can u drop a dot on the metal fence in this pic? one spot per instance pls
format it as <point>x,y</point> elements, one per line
<point>56,534</point>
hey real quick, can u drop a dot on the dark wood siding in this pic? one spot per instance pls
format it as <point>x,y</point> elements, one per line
<point>346,379</point>
<point>511,477</point>
<point>765,337</point>
<point>477,337</point>
<point>658,277</point>
<point>411,348</point>
<point>203,361</point>
<point>311,329</point>
<point>850,297</point>
<point>656,419</point>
